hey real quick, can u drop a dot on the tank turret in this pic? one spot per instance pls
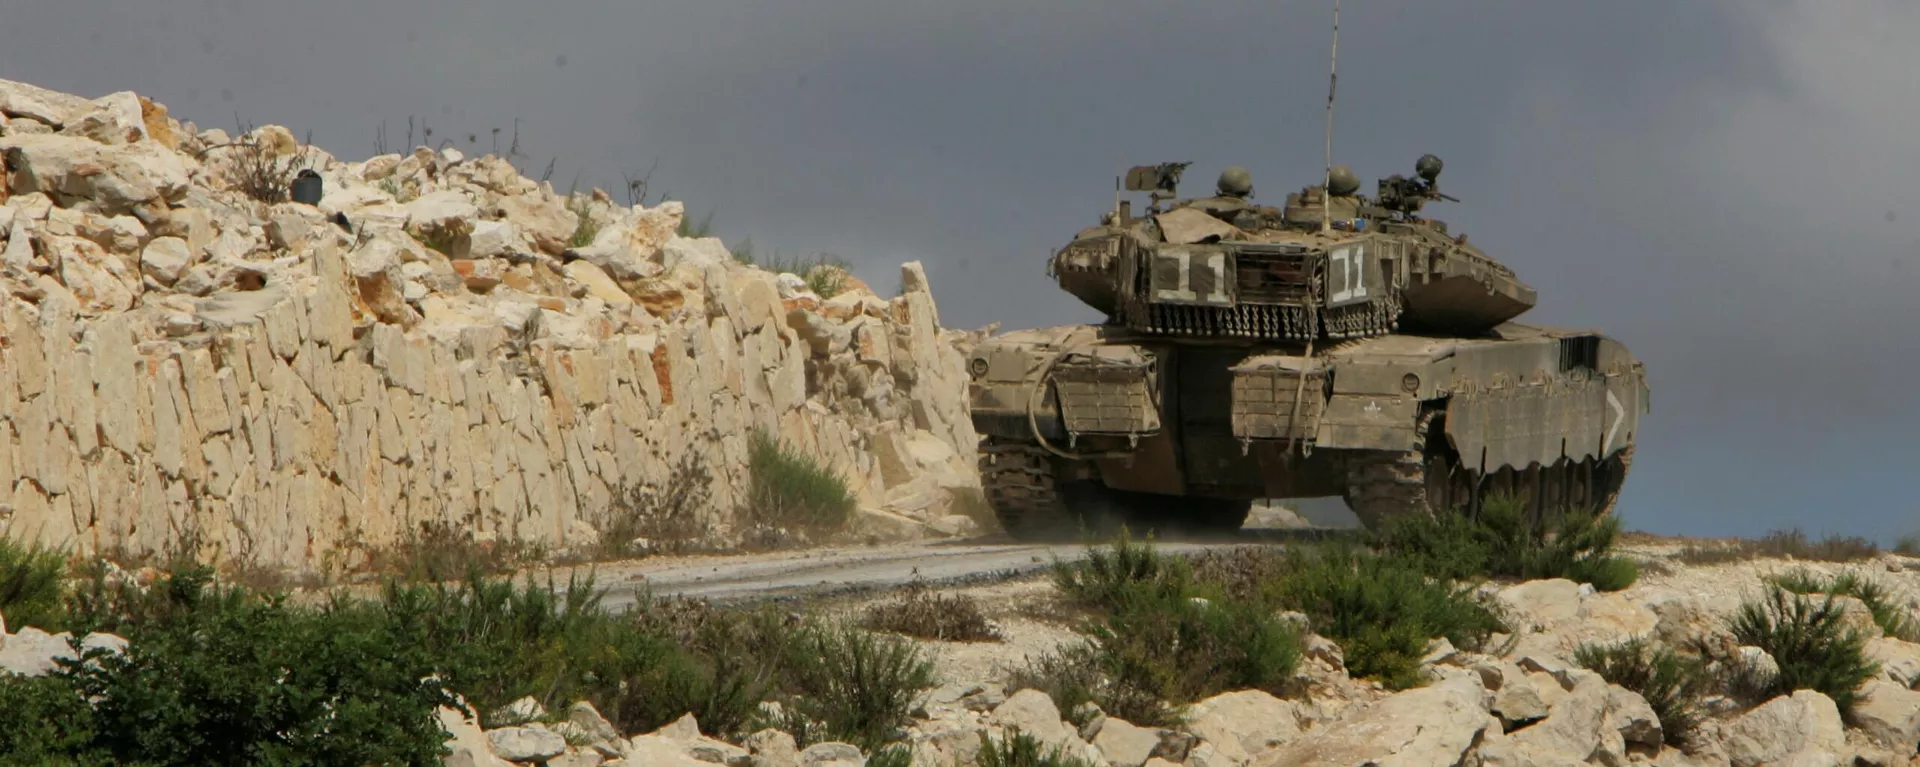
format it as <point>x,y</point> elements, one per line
<point>1330,264</point>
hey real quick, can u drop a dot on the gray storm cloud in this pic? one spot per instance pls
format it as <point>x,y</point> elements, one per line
<point>1726,186</point>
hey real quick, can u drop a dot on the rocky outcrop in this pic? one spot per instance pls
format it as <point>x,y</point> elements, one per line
<point>438,340</point>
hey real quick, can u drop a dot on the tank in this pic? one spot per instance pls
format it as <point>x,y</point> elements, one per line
<point>1342,345</point>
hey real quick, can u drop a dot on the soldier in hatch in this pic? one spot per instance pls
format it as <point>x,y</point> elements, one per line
<point>1230,202</point>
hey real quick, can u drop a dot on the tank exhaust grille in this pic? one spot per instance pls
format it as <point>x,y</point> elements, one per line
<point>1579,352</point>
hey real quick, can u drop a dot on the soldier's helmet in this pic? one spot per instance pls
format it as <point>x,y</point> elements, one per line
<point>1341,182</point>
<point>1235,182</point>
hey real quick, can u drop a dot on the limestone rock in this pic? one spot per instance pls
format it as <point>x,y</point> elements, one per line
<point>111,119</point>
<point>1889,713</point>
<point>1241,724</point>
<point>773,748</point>
<point>1802,725</point>
<point>526,744</point>
<point>30,101</point>
<point>1125,744</point>
<point>107,179</point>
<point>831,755</point>
<point>468,745</point>
<point>1426,726</point>
<point>166,259</point>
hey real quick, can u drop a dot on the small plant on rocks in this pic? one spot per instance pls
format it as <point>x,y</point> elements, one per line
<point>790,489</point>
<point>1810,641</point>
<point>30,583</point>
<point>1672,683</point>
<point>1892,618</point>
<point>1160,640</point>
<point>1503,542</point>
<point>859,686</point>
<point>927,615</point>
<point>1382,611</point>
<point>1019,749</point>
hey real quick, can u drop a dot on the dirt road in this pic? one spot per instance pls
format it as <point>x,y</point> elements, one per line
<point>852,569</point>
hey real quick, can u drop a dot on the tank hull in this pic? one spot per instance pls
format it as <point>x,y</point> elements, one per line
<point>1093,424</point>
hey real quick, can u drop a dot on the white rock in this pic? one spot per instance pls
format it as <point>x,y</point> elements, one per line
<point>166,259</point>
<point>697,254</point>
<point>33,652</point>
<point>1427,726</point>
<point>111,119</point>
<point>50,107</point>
<point>438,209</point>
<point>531,743</point>
<point>1544,601</point>
<point>773,748</point>
<point>1889,713</point>
<point>468,745</point>
<point>1804,724</point>
<point>1124,743</point>
<point>108,179</point>
<point>598,284</point>
<point>588,720</point>
<point>1241,724</point>
<point>791,286</point>
<point>493,239</point>
<point>824,754</point>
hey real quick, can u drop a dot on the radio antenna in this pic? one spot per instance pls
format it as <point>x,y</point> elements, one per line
<point>1333,82</point>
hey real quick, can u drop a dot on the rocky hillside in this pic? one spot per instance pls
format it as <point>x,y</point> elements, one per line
<point>187,354</point>
<point>1833,687</point>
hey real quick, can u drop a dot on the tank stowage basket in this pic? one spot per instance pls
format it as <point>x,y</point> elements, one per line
<point>1109,391</point>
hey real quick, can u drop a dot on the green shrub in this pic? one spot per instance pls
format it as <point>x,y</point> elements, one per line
<point>1671,683</point>
<point>1160,639</point>
<point>30,585</point>
<point>1383,612</point>
<point>1893,619</point>
<point>44,721</point>
<point>858,686</point>
<point>1503,542</point>
<point>897,755</point>
<point>220,676</point>
<point>788,488</point>
<point>1019,749</point>
<point>1811,643</point>
<point>1111,577</point>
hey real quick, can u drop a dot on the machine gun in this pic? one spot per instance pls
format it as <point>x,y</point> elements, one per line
<point>1406,195</point>
<point>1161,180</point>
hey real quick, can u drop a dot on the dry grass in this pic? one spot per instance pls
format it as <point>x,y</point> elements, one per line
<point>1782,544</point>
<point>927,615</point>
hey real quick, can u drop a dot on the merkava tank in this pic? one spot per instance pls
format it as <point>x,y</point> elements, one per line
<point>1338,346</point>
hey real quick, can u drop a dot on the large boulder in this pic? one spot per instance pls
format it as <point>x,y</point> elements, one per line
<point>1803,726</point>
<point>1428,726</point>
<point>83,173</point>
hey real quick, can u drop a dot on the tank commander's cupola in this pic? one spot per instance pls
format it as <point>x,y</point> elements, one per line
<point>1405,196</point>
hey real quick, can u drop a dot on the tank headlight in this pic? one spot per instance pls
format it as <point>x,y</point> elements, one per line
<point>1410,382</point>
<point>978,367</point>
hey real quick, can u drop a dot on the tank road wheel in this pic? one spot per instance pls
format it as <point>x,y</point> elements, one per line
<point>1029,501</point>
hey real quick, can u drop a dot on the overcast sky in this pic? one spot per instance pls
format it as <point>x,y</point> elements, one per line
<point>1726,186</point>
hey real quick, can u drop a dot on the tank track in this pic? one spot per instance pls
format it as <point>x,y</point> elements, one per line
<point>1032,503</point>
<point>1381,486</point>
<point>1020,486</point>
